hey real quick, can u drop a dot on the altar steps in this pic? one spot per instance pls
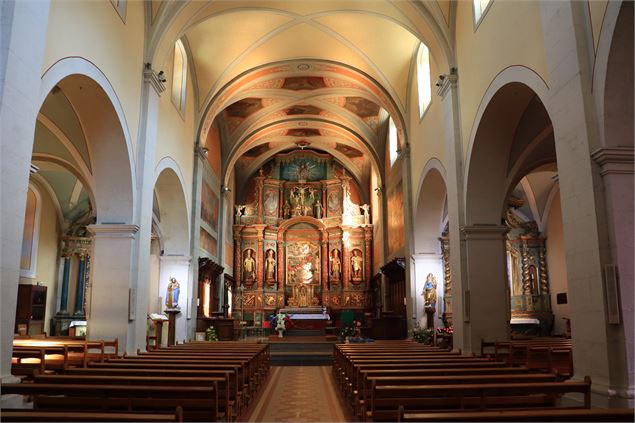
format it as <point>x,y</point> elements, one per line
<point>304,332</point>
<point>306,351</point>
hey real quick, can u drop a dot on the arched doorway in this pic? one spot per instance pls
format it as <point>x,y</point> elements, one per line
<point>430,245</point>
<point>172,234</point>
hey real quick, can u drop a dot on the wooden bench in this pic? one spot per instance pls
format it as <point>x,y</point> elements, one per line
<point>549,415</point>
<point>386,400</point>
<point>199,403</point>
<point>22,415</point>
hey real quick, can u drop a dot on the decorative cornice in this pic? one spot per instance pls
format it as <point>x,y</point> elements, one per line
<point>446,81</point>
<point>176,258</point>
<point>113,230</point>
<point>151,77</point>
<point>485,232</point>
<point>614,160</point>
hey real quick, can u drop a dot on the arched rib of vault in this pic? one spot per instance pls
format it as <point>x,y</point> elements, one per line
<point>248,142</point>
<point>420,21</point>
<point>252,122</point>
<point>224,97</point>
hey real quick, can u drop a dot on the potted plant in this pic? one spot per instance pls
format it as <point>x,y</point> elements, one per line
<point>422,335</point>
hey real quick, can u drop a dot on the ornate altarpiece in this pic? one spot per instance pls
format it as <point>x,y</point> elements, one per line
<point>301,241</point>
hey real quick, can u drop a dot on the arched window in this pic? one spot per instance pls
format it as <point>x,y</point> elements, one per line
<point>393,144</point>
<point>480,7</point>
<point>423,78</point>
<point>179,76</point>
<point>31,233</point>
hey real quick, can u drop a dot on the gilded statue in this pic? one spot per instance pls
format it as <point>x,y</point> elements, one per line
<point>336,265</point>
<point>357,264</point>
<point>270,265</point>
<point>172,297</point>
<point>430,292</point>
<point>318,209</point>
<point>249,266</point>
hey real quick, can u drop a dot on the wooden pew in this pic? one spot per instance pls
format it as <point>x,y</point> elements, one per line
<point>199,403</point>
<point>386,400</point>
<point>225,408</point>
<point>549,415</point>
<point>27,415</point>
<point>364,395</point>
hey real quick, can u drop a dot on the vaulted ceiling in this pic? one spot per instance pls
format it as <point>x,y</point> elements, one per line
<point>320,74</point>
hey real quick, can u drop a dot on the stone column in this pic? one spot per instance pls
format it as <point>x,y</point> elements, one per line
<point>485,313</point>
<point>600,345</point>
<point>111,267</point>
<point>23,35</point>
<point>448,91</point>
<point>281,265</point>
<point>79,289</point>
<point>145,161</point>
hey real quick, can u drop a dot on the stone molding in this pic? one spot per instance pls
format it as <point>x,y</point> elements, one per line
<point>617,160</point>
<point>113,230</point>
<point>447,82</point>
<point>151,77</point>
<point>176,259</point>
<point>484,232</point>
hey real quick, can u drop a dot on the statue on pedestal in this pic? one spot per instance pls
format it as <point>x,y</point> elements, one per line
<point>429,300</point>
<point>173,291</point>
<point>286,210</point>
<point>336,265</point>
<point>270,266</point>
<point>239,211</point>
<point>249,266</point>
<point>318,209</point>
<point>357,264</point>
<point>365,210</point>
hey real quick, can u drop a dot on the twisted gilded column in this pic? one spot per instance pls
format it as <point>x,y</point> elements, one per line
<point>281,265</point>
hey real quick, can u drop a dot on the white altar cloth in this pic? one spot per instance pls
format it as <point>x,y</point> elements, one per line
<point>524,321</point>
<point>312,316</point>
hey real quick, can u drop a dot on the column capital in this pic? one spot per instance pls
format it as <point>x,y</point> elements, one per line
<point>445,83</point>
<point>154,79</point>
<point>617,160</point>
<point>113,230</point>
<point>484,231</point>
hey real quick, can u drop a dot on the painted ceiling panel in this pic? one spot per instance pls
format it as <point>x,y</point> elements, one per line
<point>388,45</point>
<point>302,41</point>
<point>47,143</point>
<point>59,110</point>
<point>218,41</point>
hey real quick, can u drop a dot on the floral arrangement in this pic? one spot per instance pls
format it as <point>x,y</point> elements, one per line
<point>210,334</point>
<point>445,331</point>
<point>422,335</point>
<point>280,321</point>
<point>352,331</point>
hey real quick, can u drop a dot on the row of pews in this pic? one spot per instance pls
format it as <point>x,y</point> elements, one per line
<point>196,381</point>
<point>548,354</point>
<point>53,354</point>
<point>406,381</point>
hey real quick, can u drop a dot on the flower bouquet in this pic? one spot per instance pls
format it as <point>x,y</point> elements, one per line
<point>280,322</point>
<point>422,335</point>
<point>445,331</point>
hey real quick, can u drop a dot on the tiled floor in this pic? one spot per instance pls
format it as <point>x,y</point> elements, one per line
<point>299,394</point>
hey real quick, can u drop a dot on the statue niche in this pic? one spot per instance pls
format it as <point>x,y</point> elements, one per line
<point>335,259</point>
<point>357,266</point>
<point>270,267</point>
<point>249,267</point>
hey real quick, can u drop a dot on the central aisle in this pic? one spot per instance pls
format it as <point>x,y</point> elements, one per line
<point>299,394</point>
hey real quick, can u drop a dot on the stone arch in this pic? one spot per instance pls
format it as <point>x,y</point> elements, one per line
<point>174,220</point>
<point>107,133</point>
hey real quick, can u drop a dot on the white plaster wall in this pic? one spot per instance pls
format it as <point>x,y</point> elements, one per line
<point>47,255</point>
<point>93,30</point>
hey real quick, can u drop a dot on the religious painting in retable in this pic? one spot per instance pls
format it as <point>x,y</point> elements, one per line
<point>395,219</point>
<point>209,207</point>
<point>303,263</point>
<point>271,202</point>
<point>334,203</point>
<point>208,242</point>
<point>303,169</point>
